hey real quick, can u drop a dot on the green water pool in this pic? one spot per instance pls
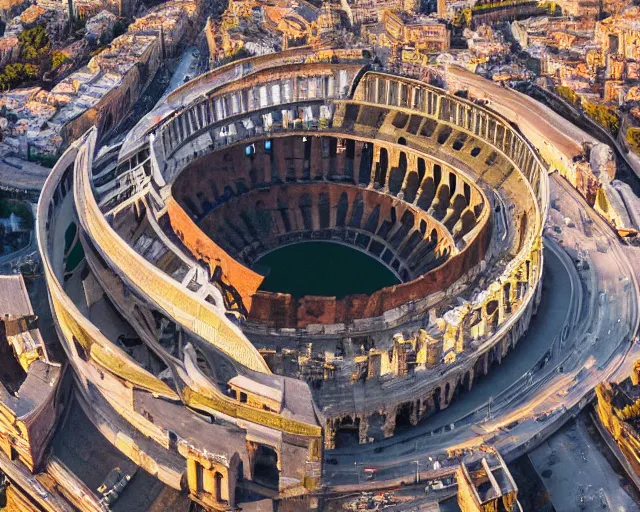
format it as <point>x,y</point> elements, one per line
<point>322,268</point>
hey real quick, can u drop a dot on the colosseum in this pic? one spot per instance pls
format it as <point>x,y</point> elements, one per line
<point>152,248</point>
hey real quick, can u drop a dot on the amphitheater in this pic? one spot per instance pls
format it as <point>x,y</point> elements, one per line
<point>206,380</point>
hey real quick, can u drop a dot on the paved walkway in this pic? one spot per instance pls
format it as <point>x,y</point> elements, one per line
<point>577,475</point>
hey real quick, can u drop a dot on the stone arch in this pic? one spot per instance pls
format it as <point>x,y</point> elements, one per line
<point>265,467</point>
<point>382,167</point>
<point>396,176</point>
<point>217,485</point>
<point>506,290</point>
<point>305,203</point>
<point>372,221</point>
<point>441,202</point>
<point>324,210</point>
<point>283,208</point>
<point>356,212</point>
<point>375,428</point>
<point>347,431</point>
<point>366,159</point>
<point>437,397</point>
<point>467,192</point>
<point>427,194</point>
<point>422,168</point>
<point>404,414</point>
<point>453,182</point>
<point>437,175</point>
<point>467,381</point>
<point>342,209</point>
<point>411,187</point>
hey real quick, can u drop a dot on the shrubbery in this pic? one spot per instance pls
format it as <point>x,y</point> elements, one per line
<point>633,138</point>
<point>36,58</point>
<point>568,94</point>
<point>603,115</point>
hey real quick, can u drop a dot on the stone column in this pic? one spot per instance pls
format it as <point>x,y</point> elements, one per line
<point>390,422</point>
<point>413,419</point>
<point>363,429</point>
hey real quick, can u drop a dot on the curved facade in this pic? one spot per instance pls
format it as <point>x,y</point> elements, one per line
<point>204,380</point>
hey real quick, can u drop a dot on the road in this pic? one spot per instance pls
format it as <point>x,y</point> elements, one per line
<point>577,475</point>
<point>187,67</point>
<point>595,348</point>
<point>551,316</point>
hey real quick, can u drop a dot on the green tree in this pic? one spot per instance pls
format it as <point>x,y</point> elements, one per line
<point>35,43</point>
<point>58,58</point>
<point>603,115</point>
<point>568,94</point>
<point>633,138</point>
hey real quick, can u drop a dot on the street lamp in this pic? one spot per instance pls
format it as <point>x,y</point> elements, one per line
<point>417,471</point>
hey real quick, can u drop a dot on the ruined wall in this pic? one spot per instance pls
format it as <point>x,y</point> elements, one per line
<point>627,437</point>
<point>202,247</point>
<point>283,310</point>
<point>467,500</point>
<point>245,207</point>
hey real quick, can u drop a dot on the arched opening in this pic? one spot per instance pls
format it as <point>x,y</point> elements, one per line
<point>265,467</point>
<point>357,211</point>
<point>467,192</point>
<point>347,432</point>
<point>522,230</point>
<point>466,382</point>
<point>411,188</point>
<point>372,221</point>
<point>366,158</point>
<point>421,169</point>
<point>376,426</point>
<point>217,486</point>
<point>403,417</point>
<point>283,207</point>
<point>305,204</point>
<point>447,388</point>
<point>383,164</point>
<point>452,183</point>
<point>341,212</point>
<point>396,177</point>
<point>427,194</point>
<point>324,210</point>
<point>437,175</point>
<point>436,398</point>
<point>444,134</point>
<point>507,297</point>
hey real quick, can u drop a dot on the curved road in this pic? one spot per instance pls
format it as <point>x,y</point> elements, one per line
<point>596,344</point>
<point>549,320</point>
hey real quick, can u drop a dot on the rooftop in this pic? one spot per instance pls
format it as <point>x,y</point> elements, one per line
<point>14,299</point>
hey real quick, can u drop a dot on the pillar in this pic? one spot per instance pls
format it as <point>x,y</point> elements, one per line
<point>363,429</point>
<point>390,422</point>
